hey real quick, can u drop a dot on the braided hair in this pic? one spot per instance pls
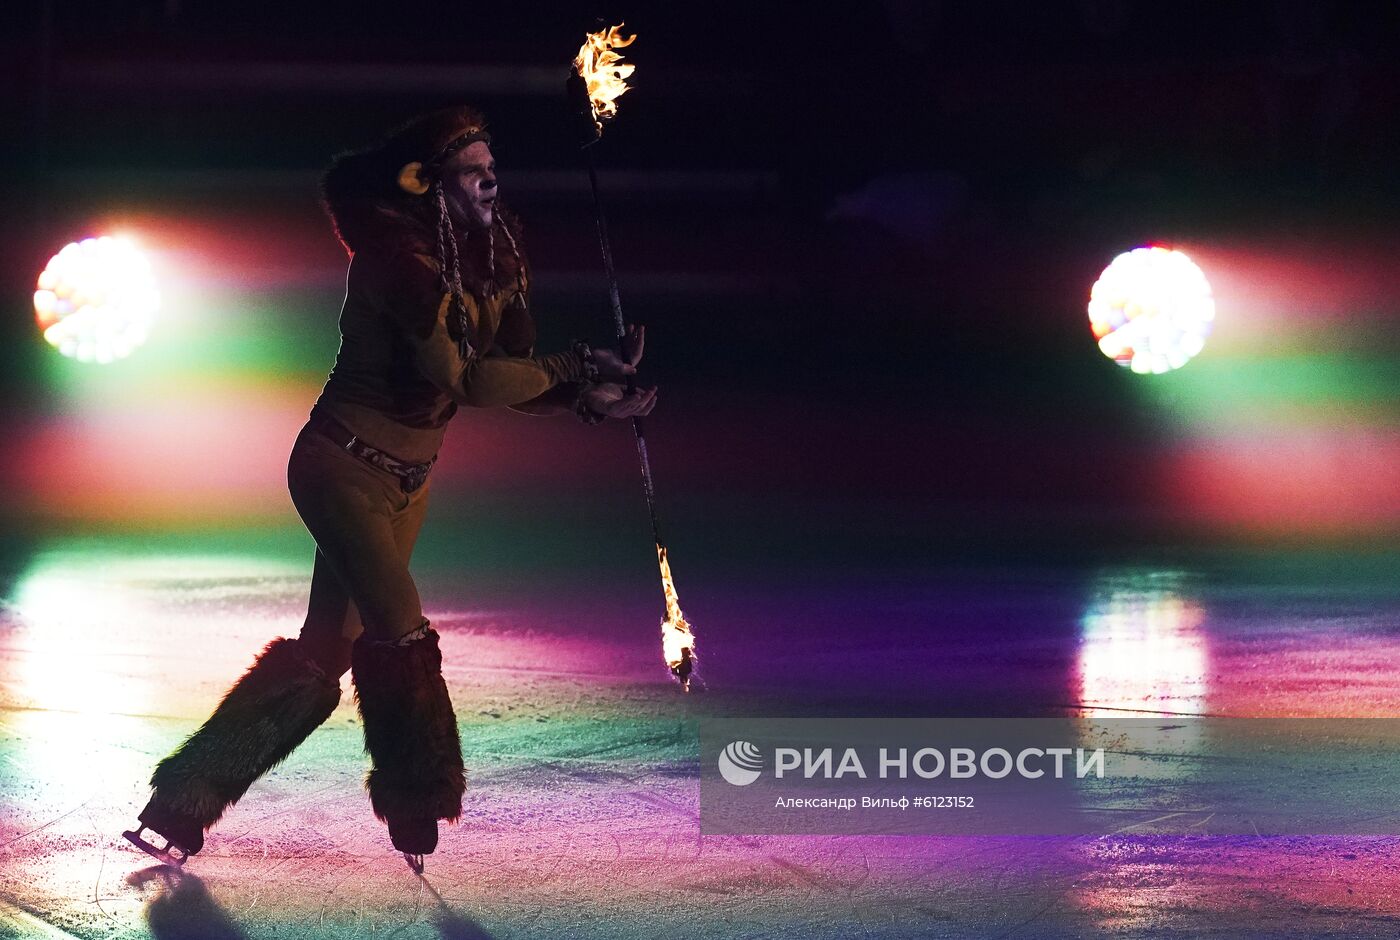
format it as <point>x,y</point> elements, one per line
<point>449,259</point>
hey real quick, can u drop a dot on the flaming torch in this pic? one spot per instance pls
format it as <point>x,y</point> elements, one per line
<point>603,74</point>
<point>599,78</point>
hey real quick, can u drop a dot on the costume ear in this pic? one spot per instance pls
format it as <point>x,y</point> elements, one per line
<point>410,181</point>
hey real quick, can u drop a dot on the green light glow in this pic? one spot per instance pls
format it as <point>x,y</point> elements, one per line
<point>1297,389</point>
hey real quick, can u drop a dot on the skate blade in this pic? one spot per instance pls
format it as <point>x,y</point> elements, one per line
<point>167,855</point>
<point>415,862</point>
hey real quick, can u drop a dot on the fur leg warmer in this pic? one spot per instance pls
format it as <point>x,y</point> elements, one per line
<point>410,728</point>
<point>277,703</point>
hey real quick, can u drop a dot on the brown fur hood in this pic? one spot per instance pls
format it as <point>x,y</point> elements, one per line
<point>361,195</point>
<point>367,208</point>
<point>360,190</point>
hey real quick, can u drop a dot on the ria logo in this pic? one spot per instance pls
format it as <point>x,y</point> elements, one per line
<point>740,763</point>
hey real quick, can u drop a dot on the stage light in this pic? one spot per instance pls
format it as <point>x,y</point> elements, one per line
<point>1151,309</point>
<point>96,299</point>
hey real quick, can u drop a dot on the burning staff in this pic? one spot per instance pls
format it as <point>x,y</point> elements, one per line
<point>598,80</point>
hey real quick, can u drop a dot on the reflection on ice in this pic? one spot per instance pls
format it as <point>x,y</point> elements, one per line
<point>86,622</point>
<point>1142,646</point>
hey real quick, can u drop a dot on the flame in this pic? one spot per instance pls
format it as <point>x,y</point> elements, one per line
<point>603,71</point>
<point>677,643</point>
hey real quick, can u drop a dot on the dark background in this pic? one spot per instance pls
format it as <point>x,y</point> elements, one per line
<point>862,239</point>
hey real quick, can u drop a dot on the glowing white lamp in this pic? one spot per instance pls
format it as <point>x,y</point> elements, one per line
<point>1151,310</point>
<point>96,299</point>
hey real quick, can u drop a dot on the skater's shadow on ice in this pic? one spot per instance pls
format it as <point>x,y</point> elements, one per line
<point>454,926</point>
<point>450,924</point>
<point>183,908</point>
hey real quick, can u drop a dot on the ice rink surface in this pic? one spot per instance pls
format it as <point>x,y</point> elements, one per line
<point>582,804</point>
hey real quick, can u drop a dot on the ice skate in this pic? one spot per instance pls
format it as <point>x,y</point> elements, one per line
<point>414,837</point>
<point>183,835</point>
<point>281,699</point>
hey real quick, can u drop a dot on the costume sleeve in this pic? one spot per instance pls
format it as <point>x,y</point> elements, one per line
<point>415,302</point>
<point>515,336</point>
<point>557,400</point>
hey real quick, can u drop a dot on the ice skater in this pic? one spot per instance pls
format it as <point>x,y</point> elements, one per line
<point>436,316</point>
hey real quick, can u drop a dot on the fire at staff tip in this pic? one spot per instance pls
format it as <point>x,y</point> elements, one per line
<point>603,71</point>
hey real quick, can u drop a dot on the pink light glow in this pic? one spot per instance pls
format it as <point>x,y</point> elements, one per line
<point>1281,292</point>
<point>1275,480</point>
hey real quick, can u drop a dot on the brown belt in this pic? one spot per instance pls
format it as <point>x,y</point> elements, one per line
<point>411,475</point>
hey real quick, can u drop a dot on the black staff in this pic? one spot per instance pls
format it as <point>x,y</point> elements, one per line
<point>598,79</point>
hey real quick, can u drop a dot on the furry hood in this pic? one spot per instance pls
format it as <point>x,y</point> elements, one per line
<point>361,193</point>
<point>366,207</point>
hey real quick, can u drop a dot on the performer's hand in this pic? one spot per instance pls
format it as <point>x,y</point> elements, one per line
<point>614,401</point>
<point>612,366</point>
<point>632,342</point>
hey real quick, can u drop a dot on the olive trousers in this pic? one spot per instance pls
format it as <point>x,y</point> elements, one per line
<point>365,528</point>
